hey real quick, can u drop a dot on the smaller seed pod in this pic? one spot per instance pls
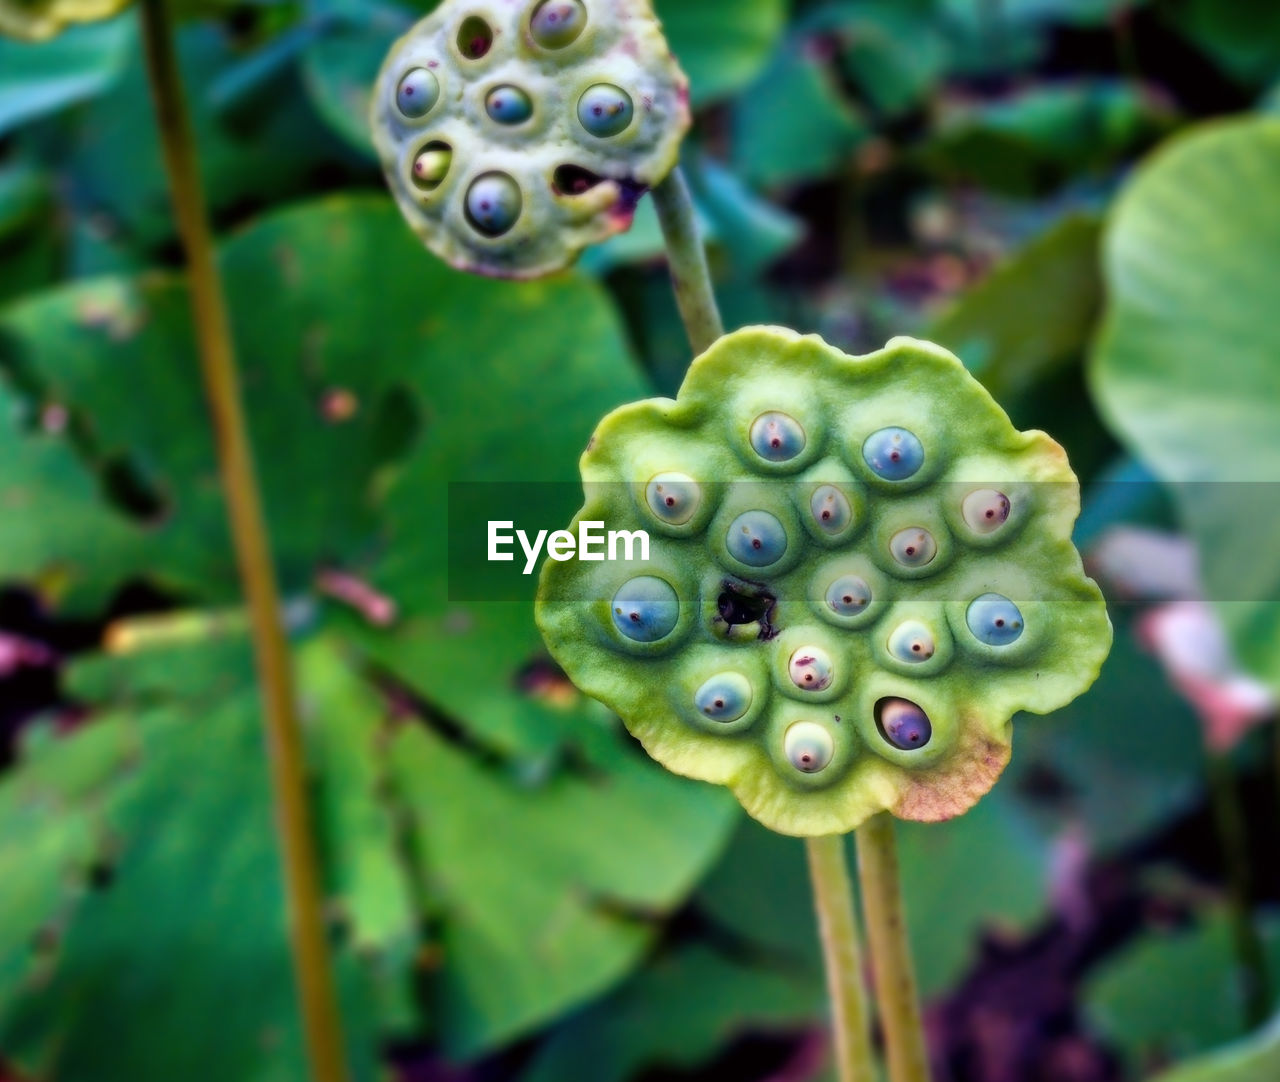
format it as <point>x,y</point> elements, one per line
<point>913,547</point>
<point>724,697</point>
<point>605,110</point>
<point>994,620</point>
<point>776,437</point>
<point>903,724</point>
<point>645,609</point>
<point>985,510</point>
<point>808,746</point>
<point>912,642</point>
<point>893,454</point>
<point>417,93</point>
<point>557,23</point>
<point>493,204</point>
<point>508,105</point>
<point>673,497</point>
<point>811,668</point>
<point>757,539</point>
<point>830,508</point>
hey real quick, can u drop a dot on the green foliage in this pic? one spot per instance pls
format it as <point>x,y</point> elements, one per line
<point>1256,1059</point>
<point>1184,369</point>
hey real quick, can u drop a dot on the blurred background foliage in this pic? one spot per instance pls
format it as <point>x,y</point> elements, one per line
<point>1080,197</point>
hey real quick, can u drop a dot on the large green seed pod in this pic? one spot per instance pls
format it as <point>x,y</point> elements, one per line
<point>566,110</point>
<point>38,20</point>
<point>858,572</point>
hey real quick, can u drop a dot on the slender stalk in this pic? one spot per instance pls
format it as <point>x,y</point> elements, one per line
<point>318,1001</point>
<point>687,259</point>
<point>895,980</point>
<point>1233,838</point>
<point>833,900</point>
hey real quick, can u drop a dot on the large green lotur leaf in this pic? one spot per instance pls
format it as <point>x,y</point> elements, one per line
<point>721,44</point>
<point>1185,369</point>
<point>147,939</point>
<point>1254,1059</point>
<point>1174,994</point>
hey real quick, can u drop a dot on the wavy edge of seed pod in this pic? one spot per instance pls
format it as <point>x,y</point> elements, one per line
<point>41,22</point>
<point>983,695</point>
<point>574,189</point>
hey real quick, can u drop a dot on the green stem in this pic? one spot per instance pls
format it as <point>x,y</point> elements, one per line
<point>687,258</point>
<point>1233,839</point>
<point>895,980</point>
<point>833,900</point>
<point>318,1001</point>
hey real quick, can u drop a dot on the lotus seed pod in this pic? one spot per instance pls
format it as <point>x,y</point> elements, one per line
<point>39,20</point>
<point>887,658</point>
<point>577,103</point>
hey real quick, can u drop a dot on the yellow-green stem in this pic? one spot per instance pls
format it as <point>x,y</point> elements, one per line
<point>833,900</point>
<point>687,259</point>
<point>318,1001</point>
<point>895,980</point>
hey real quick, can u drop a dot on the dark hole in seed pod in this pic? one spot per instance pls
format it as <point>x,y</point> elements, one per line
<point>576,179</point>
<point>475,38</point>
<point>740,603</point>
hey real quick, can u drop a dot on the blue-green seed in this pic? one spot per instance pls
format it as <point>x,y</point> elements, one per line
<point>777,437</point>
<point>673,497</point>
<point>557,23</point>
<point>493,203</point>
<point>848,595</point>
<point>508,105</point>
<point>903,724</point>
<point>605,109</point>
<point>913,547</point>
<point>994,620</point>
<point>725,697</point>
<point>811,668</point>
<point>757,539</point>
<point>808,746</point>
<point>645,609</point>
<point>911,641</point>
<point>830,509</point>
<point>417,92</point>
<point>893,454</point>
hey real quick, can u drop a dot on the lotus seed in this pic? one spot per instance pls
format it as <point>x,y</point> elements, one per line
<point>830,509</point>
<point>777,437</point>
<point>811,669</point>
<point>757,539</point>
<point>848,595</point>
<point>431,166</point>
<point>808,746</point>
<point>475,38</point>
<point>913,547</point>
<point>893,454</point>
<point>417,93</point>
<point>493,203</point>
<point>912,642</point>
<point>994,620</point>
<point>725,697</point>
<point>605,109</point>
<point>673,497</point>
<point>985,510</point>
<point>557,23</point>
<point>508,105</point>
<point>903,724</point>
<point>646,609</point>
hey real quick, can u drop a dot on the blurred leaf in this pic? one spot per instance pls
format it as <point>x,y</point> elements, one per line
<point>1034,314</point>
<point>793,123</point>
<point>1173,993</point>
<point>754,232</point>
<point>1076,12</point>
<point>1254,1059</point>
<point>1035,138</point>
<point>675,1015</point>
<point>28,251</point>
<point>1184,369</point>
<point>37,79</point>
<point>721,44</point>
<point>1242,37</point>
